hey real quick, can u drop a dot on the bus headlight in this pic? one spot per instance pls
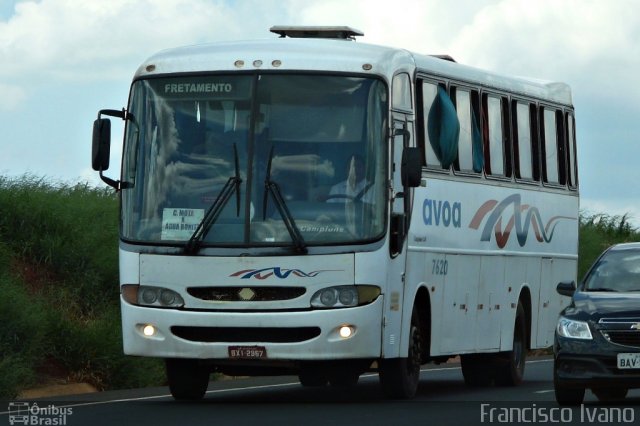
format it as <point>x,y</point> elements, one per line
<point>344,296</point>
<point>145,295</point>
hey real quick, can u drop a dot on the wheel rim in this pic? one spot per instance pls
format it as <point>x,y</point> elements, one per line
<point>415,349</point>
<point>518,349</point>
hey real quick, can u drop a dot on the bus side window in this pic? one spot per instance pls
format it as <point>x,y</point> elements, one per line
<point>427,93</point>
<point>523,144</point>
<point>441,128</point>
<point>571,151</point>
<point>550,146</point>
<point>562,148</point>
<point>495,135</point>
<point>470,153</point>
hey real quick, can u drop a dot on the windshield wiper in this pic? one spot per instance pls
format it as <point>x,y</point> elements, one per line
<point>213,212</point>
<point>272,188</point>
<point>603,289</point>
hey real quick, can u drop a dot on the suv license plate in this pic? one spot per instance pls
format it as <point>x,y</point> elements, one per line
<point>629,360</point>
<point>248,352</point>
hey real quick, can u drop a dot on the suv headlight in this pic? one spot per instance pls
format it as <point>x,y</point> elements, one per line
<point>344,296</point>
<point>573,329</point>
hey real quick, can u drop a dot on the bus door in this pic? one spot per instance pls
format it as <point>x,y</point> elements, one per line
<point>401,198</point>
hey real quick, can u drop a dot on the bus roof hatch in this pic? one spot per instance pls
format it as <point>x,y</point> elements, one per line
<point>342,33</point>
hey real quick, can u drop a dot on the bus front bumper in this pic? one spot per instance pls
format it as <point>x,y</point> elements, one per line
<point>287,336</point>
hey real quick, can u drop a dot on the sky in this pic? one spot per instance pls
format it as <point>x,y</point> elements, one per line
<point>63,60</point>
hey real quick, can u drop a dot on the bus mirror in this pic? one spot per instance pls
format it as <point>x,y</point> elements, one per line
<point>411,170</point>
<point>101,144</point>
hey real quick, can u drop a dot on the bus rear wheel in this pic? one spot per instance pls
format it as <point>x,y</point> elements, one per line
<point>510,364</point>
<point>399,377</point>
<point>188,380</point>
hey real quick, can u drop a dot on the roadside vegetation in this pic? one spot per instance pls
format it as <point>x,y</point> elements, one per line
<point>599,231</point>
<point>59,299</point>
<point>58,289</point>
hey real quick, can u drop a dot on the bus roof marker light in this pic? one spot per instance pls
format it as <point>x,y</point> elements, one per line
<point>330,32</point>
<point>276,63</point>
<point>257,63</point>
<point>239,63</point>
<point>367,67</point>
<point>150,68</point>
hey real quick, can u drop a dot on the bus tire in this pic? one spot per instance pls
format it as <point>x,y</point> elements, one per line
<point>510,365</point>
<point>399,377</point>
<point>188,380</point>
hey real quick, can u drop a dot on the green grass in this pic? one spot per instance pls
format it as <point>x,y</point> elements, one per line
<point>59,303</point>
<point>599,231</point>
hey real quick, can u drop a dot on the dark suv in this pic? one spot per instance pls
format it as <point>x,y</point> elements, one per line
<point>597,340</point>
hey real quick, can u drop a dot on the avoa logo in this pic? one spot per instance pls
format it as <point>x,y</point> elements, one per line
<point>442,213</point>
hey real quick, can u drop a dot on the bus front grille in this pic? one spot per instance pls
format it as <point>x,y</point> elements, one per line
<point>246,334</point>
<point>246,294</point>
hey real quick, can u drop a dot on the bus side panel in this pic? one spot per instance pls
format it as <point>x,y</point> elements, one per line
<point>520,273</point>
<point>552,271</point>
<point>491,288</point>
<point>422,271</point>
<point>460,303</point>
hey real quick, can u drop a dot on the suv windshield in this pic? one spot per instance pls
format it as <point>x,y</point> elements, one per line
<point>615,271</point>
<point>318,139</point>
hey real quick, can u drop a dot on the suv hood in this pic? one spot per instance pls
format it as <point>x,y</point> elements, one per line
<point>595,305</point>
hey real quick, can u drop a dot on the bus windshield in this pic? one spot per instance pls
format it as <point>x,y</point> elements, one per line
<point>317,141</point>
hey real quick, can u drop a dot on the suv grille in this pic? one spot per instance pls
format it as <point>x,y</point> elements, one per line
<point>627,338</point>
<point>621,331</point>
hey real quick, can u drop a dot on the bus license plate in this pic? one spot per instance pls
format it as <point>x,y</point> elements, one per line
<point>629,360</point>
<point>247,352</point>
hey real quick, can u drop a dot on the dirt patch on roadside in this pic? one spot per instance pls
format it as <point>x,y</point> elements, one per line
<point>57,390</point>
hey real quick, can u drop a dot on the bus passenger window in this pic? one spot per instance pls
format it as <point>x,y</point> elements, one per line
<point>428,94</point>
<point>470,154</point>
<point>495,162</point>
<point>524,169</point>
<point>571,151</point>
<point>550,147</point>
<point>442,130</point>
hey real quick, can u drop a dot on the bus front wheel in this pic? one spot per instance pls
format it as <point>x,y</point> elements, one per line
<point>188,380</point>
<point>399,377</point>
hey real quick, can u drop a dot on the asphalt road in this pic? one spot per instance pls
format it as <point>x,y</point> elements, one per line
<point>442,399</point>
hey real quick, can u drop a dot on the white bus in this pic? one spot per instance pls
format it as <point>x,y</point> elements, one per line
<point>312,205</point>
